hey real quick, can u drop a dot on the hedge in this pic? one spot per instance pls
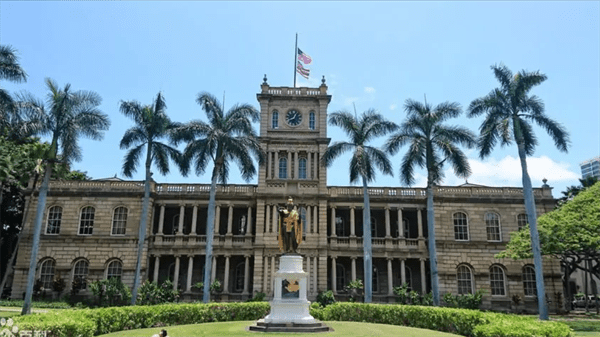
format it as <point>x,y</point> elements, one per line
<point>36,304</point>
<point>90,322</point>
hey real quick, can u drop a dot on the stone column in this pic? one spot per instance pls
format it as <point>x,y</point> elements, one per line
<point>181,218</point>
<point>226,278</point>
<point>402,272</point>
<point>353,269</point>
<point>289,165</point>
<point>316,271</point>
<point>176,273</point>
<point>333,222</point>
<point>230,220</point>
<point>423,277</point>
<point>265,275</point>
<point>213,275</point>
<point>390,277</point>
<point>315,219</point>
<point>352,222</point>
<point>315,174</point>
<point>309,277</point>
<point>274,219</point>
<point>308,165</point>
<point>272,274</point>
<point>420,222</point>
<point>249,221</point>
<point>269,163</point>
<point>156,268</point>
<point>276,165</point>
<point>309,219</point>
<point>217,219</point>
<point>161,219</point>
<point>194,219</point>
<point>268,219</point>
<point>246,274</point>
<point>333,274</point>
<point>388,230</point>
<point>296,170</point>
<point>189,273</point>
<point>400,224</point>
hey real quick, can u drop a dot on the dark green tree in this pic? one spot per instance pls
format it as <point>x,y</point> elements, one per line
<point>151,126</point>
<point>431,144</point>
<point>509,111</point>
<point>365,159</point>
<point>227,137</point>
<point>11,70</point>
<point>67,115</point>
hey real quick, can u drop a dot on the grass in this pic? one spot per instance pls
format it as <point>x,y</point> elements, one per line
<point>353,329</point>
<point>7,314</point>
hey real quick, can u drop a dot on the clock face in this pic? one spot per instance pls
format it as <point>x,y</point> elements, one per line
<point>293,117</point>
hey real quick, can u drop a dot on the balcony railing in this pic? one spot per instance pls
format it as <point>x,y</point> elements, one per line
<point>200,240</point>
<point>357,242</point>
<point>439,191</point>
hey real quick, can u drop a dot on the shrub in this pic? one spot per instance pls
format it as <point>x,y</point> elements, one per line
<point>401,293</point>
<point>505,325</point>
<point>326,298</point>
<point>258,297</point>
<point>63,323</point>
<point>151,293</point>
<point>36,304</point>
<point>111,292</point>
<point>467,301</point>
<point>354,289</point>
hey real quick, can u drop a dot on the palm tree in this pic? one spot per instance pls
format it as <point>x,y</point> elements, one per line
<point>509,112</point>
<point>226,137</point>
<point>11,70</point>
<point>364,160</point>
<point>151,125</point>
<point>431,145</point>
<point>69,115</point>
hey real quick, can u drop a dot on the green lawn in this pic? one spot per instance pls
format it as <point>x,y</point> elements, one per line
<point>239,329</point>
<point>7,314</point>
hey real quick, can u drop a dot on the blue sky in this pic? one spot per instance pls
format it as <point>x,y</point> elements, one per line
<point>375,55</point>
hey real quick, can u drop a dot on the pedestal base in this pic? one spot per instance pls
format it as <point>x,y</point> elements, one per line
<point>289,311</point>
<point>262,326</point>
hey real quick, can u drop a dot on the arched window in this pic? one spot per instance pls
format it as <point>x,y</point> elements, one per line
<point>492,225</point>
<point>311,120</point>
<point>54,219</point>
<point>275,120</point>
<point>119,221</point>
<point>497,283</point>
<point>47,273</point>
<point>86,220</point>
<point>522,220</point>
<point>340,277</point>
<point>115,269</point>
<point>302,168</point>
<point>238,284</point>
<point>461,227</point>
<point>464,279</point>
<point>529,288</point>
<point>283,168</point>
<point>375,280</point>
<point>80,274</point>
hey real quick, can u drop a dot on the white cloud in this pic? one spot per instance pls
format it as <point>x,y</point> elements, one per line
<point>507,172</point>
<point>369,90</point>
<point>393,107</point>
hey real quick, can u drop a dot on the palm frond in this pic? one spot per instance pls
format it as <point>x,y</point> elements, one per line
<point>334,151</point>
<point>133,136</point>
<point>525,80</point>
<point>380,159</point>
<point>345,121</point>
<point>414,156</point>
<point>397,140</point>
<point>10,69</point>
<point>503,75</point>
<point>558,133</point>
<point>455,134</point>
<point>211,106</point>
<point>446,110</point>
<point>133,110</point>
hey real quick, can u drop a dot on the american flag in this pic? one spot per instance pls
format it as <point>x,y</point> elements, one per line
<point>304,57</point>
<point>302,71</point>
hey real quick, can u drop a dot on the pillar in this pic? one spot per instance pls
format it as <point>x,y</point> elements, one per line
<point>352,223</point>
<point>176,273</point>
<point>156,268</point>
<point>213,275</point>
<point>272,274</point>
<point>246,273</point>
<point>402,272</point>
<point>420,222</point>
<point>387,223</point>
<point>189,273</point>
<point>315,220</point>
<point>230,220</point>
<point>217,219</point>
<point>316,271</point>
<point>333,222</point>
<point>308,166</point>
<point>309,277</point>
<point>269,163</point>
<point>289,165</point>
<point>308,219</point>
<point>296,170</point>
<point>353,269</point>
<point>274,220</point>
<point>249,221</point>
<point>194,219</point>
<point>161,219</point>
<point>423,277</point>
<point>268,219</point>
<point>390,277</point>
<point>400,224</point>
<point>276,165</point>
<point>181,218</point>
<point>315,176</point>
<point>333,274</point>
<point>226,278</point>
<point>265,275</point>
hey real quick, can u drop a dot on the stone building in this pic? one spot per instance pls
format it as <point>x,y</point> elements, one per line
<point>90,227</point>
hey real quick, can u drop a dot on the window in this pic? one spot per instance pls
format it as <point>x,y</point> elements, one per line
<point>275,120</point>
<point>406,227</point>
<point>340,229</point>
<point>115,269</point>
<point>464,280</point>
<point>311,120</point>
<point>54,218</point>
<point>119,221</point>
<point>238,285</point>
<point>375,280</point>
<point>373,228</point>
<point>283,168</point>
<point>340,277</point>
<point>86,220</point>
<point>497,281</point>
<point>529,288</point>
<point>47,273</point>
<point>522,220</point>
<point>302,168</point>
<point>492,225</point>
<point>461,228</point>
<point>80,274</point>
<point>242,225</point>
<point>175,224</point>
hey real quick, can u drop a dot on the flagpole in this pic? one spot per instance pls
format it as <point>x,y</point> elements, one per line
<point>295,57</point>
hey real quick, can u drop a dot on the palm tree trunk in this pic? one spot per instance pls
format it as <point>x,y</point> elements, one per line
<point>37,231</point>
<point>143,225</point>
<point>368,264</point>
<point>532,218</point>
<point>431,244</point>
<point>210,232</point>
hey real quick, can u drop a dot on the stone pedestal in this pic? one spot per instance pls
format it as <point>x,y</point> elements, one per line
<point>290,304</point>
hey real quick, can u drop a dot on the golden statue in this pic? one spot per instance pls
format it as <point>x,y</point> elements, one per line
<point>290,227</point>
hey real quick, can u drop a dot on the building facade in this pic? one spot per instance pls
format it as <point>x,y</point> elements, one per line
<point>90,228</point>
<point>590,168</point>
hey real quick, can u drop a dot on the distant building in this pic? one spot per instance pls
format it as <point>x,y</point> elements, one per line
<point>590,168</point>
